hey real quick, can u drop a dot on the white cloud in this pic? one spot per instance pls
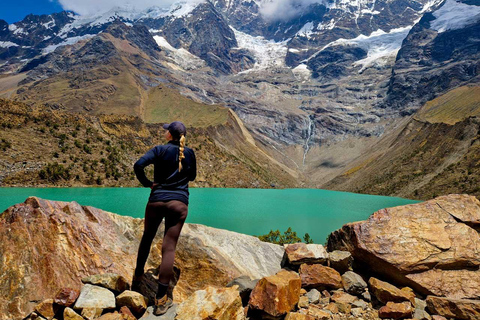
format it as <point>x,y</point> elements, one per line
<point>285,9</point>
<point>91,7</point>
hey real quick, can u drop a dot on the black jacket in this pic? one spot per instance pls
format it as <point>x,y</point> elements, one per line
<point>172,184</point>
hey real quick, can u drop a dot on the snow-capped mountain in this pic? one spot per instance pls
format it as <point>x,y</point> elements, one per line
<point>303,75</point>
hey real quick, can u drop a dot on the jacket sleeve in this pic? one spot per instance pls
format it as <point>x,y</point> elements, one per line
<point>193,168</point>
<point>139,167</point>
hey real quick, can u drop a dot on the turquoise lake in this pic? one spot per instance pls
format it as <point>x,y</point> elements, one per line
<point>250,211</point>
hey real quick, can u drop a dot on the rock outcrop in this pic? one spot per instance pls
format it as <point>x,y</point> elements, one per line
<point>48,245</point>
<point>430,246</point>
<point>208,257</point>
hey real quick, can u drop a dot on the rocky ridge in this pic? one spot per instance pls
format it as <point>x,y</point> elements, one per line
<point>298,281</point>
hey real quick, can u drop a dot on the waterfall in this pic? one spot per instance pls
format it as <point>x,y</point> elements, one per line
<point>310,133</point>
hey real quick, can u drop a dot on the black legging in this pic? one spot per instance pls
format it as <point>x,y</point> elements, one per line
<point>175,213</point>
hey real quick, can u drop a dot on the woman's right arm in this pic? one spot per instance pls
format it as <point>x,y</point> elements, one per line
<point>139,167</point>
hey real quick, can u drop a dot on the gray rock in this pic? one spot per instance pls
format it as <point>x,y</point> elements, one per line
<point>245,287</point>
<point>313,296</point>
<point>367,296</point>
<point>353,283</point>
<point>95,297</point>
<point>356,312</point>
<point>419,312</point>
<point>360,304</point>
<point>169,315</point>
<point>340,260</point>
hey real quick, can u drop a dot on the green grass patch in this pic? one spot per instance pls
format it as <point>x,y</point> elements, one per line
<point>452,107</point>
<point>166,105</point>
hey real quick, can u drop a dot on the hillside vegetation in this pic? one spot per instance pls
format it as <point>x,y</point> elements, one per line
<point>437,152</point>
<point>43,146</point>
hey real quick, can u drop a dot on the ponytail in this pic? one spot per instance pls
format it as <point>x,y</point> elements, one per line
<point>181,156</point>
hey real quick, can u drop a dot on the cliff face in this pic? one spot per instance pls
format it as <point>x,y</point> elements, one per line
<point>46,245</point>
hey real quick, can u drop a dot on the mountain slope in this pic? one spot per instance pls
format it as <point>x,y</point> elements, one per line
<point>42,146</point>
<point>426,158</point>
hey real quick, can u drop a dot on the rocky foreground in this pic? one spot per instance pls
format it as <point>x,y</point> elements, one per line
<point>65,261</point>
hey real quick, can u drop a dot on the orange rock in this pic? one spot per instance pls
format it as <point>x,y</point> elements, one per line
<point>385,292</point>
<point>332,307</point>
<point>463,309</point>
<point>133,300</point>
<point>276,295</point>
<point>212,303</point>
<point>111,316</point>
<point>318,313</point>
<point>298,316</point>
<point>405,243</point>
<point>127,314</point>
<point>303,302</point>
<point>340,296</point>
<point>91,313</point>
<point>299,253</point>
<point>46,308</point>
<point>64,242</point>
<point>396,310</point>
<point>319,277</point>
<point>70,314</point>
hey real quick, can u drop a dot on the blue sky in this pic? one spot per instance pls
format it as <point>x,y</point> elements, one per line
<point>13,11</point>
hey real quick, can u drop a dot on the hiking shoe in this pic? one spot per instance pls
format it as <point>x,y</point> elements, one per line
<point>162,305</point>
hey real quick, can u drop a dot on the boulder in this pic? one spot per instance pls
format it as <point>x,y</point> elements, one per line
<point>212,303</point>
<point>111,281</point>
<point>81,241</point>
<point>395,310</point>
<point>430,246</point>
<point>340,260</point>
<point>437,317</point>
<point>319,277</point>
<point>463,309</point>
<point>70,314</point>
<point>276,295</point>
<point>66,297</point>
<point>300,253</point>
<point>46,308</point>
<point>95,297</point>
<point>353,283</point>
<point>385,292</point>
<point>133,300</point>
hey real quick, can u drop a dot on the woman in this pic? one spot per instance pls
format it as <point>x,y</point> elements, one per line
<point>174,166</point>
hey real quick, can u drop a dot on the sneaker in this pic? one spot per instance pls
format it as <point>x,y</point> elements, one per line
<point>162,305</point>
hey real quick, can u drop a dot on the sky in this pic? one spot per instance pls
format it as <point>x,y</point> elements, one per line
<point>13,11</point>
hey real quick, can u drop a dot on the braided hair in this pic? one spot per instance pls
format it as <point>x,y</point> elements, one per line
<point>181,156</point>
